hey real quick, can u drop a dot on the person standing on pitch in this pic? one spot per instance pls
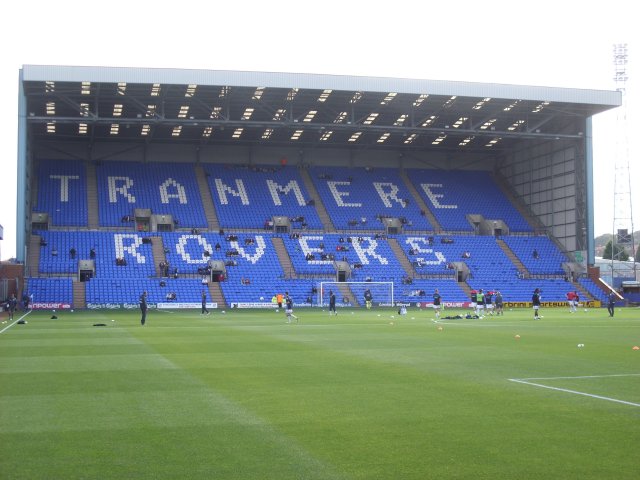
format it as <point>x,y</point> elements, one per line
<point>480,303</point>
<point>436,302</point>
<point>279,298</point>
<point>368,298</point>
<point>535,299</point>
<point>611,303</point>
<point>571,300</point>
<point>488,305</point>
<point>499,310</point>
<point>143,307</point>
<point>12,304</point>
<point>288,302</point>
<point>204,303</point>
<point>332,303</point>
<point>474,300</point>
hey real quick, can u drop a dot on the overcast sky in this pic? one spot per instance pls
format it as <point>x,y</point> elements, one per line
<point>549,43</point>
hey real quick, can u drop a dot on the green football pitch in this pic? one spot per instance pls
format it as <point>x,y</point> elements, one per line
<point>363,395</point>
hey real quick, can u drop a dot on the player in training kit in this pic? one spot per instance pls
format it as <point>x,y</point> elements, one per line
<point>571,300</point>
<point>611,303</point>
<point>143,307</point>
<point>437,299</point>
<point>499,305</point>
<point>474,299</point>
<point>488,299</point>
<point>204,304</point>
<point>12,304</point>
<point>480,303</point>
<point>368,298</point>
<point>332,303</point>
<point>288,308</point>
<point>535,299</point>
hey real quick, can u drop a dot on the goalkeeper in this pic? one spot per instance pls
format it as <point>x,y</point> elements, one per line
<point>368,298</point>
<point>332,303</point>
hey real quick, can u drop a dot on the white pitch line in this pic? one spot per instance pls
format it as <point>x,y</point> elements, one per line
<point>165,311</point>
<point>15,321</point>
<point>583,376</point>
<point>575,392</point>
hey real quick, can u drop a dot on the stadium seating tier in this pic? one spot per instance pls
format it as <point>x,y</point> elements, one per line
<point>246,197</point>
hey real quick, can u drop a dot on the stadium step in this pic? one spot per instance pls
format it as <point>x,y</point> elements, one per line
<point>402,258</point>
<point>207,201</point>
<point>79,294</point>
<point>346,292</point>
<point>157,247</point>
<point>513,257</point>
<point>284,258</point>
<point>92,196</point>
<point>215,292</point>
<point>418,199</point>
<point>34,256</point>
<point>584,293</point>
<point>327,224</point>
<point>464,286</point>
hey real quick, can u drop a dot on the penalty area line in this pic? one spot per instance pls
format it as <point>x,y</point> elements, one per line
<point>574,392</point>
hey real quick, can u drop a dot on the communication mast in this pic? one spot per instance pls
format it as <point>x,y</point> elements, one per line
<point>622,242</point>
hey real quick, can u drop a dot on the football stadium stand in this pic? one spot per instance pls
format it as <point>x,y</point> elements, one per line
<point>172,265</point>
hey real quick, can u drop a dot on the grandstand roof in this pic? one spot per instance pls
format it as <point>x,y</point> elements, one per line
<point>105,104</point>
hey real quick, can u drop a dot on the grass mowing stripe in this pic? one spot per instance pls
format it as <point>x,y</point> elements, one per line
<point>305,463</point>
<point>250,397</point>
<point>195,405</point>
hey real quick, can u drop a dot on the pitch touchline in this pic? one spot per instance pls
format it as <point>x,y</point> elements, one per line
<point>16,321</point>
<point>524,324</point>
<point>575,392</point>
<point>578,377</point>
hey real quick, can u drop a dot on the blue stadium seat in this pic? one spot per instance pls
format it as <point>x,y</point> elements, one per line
<point>247,197</point>
<point>165,188</point>
<point>51,290</point>
<point>452,195</point>
<point>62,192</point>
<point>359,198</point>
<point>548,259</point>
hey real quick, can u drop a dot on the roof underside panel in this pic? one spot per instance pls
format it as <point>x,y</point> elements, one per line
<point>260,108</point>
